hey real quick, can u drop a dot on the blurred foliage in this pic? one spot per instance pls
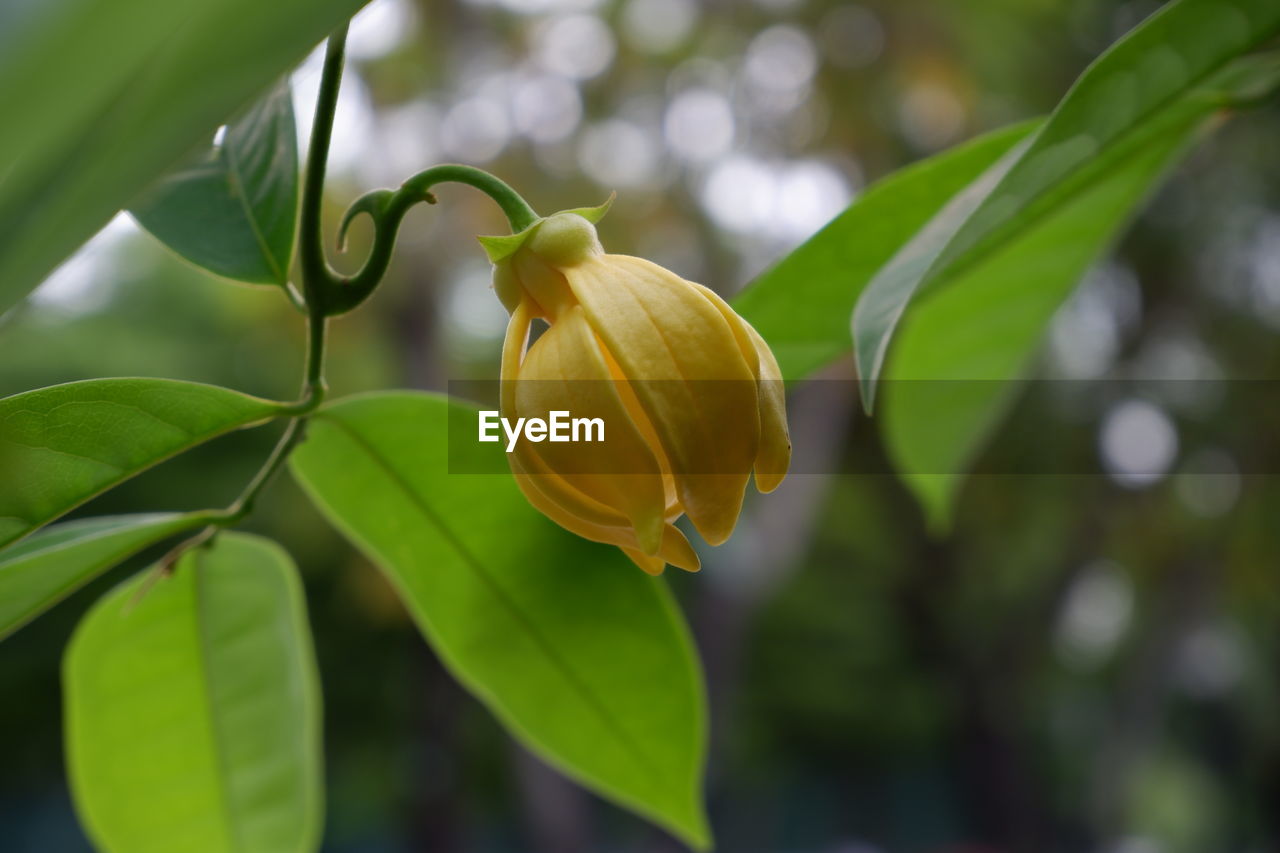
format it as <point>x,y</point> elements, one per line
<point>1087,664</point>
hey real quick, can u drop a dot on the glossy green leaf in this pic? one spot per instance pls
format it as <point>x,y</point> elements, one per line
<point>62,445</point>
<point>193,708</point>
<point>234,210</point>
<point>1099,123</point>
<point>960,348</point>
<point>802,305</point>
<point>45,568</point>
<point>102,97</point>
<point>580,655</point>
<point>958,353</point>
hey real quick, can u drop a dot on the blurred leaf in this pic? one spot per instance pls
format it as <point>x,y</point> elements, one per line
<point>40,571</point>
<point>960,348</point>
<point>234,211</point>
<point>580,655</point>
<point>1092,132</point>
<point>193,708</point>
<point>802,305</point>
<point>62,445</point>
<point>950,378</point>
<point>112,94</point>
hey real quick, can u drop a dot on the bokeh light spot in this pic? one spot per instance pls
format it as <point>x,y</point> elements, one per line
<point>576,46</point>
<point>1138,443</point>
<point>699,124</point>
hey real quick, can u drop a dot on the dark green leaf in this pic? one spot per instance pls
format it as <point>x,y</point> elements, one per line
<point>1108,113</point>
<point>802,305</point>
<point>234,211</point>
<point>102,97</point>
<point>193,708</point>
<point>62,445</point>
<point>580,655</point>
<point>45,568</point>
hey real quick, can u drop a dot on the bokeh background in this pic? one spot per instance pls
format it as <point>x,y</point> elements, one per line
<point>1089,663</point>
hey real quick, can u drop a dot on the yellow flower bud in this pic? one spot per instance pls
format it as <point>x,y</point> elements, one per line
<point>690,393</point>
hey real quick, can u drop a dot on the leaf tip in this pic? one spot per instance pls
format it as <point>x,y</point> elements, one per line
<point>867,393</point>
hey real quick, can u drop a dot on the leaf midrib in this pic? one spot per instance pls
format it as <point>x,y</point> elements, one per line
<point>238,190</point>
<point>591,700</point>
<point>216,735</point>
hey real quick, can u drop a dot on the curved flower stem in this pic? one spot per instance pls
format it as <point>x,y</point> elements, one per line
<point>387,209</point>
<point>327,292</point>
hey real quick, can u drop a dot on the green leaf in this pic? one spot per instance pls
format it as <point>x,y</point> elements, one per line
<point>62,445</point>
<point>1115,102</point>
<point>45,568</point>
<point>802,305</point>
<point>234,211</point>
<point>193,708</point>
<point>102,97</point>
<point>581,656</point>
<point>958,354</point>
<point>962,349</point>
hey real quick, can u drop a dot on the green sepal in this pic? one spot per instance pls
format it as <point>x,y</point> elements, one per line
<point>594,214</point>
<point>501,247</point>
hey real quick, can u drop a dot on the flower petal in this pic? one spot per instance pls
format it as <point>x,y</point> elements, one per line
<point>675,548</point>
<point>689,374</point>
<point>513,352</point>
<point>649,565</point>
<point>774,456</point>
<point>564,371</point>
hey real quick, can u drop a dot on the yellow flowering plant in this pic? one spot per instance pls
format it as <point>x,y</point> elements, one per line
<point>192,706</point>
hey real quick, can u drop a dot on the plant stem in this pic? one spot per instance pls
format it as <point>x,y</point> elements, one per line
<point>318,281</point>
<point>289,439</point>
<point>514,207</point>
<point>388,208</point>
<point>244,504</point>
<point>317,276</point>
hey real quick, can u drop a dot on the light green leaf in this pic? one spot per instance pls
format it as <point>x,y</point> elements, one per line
<point>961,349</point>
<point>581,656</point>
<point>802,305</point>
<point>45,568</point>
<point>102,97</point>
<point>62,445</point>
<point>1115,102</point>
<point>959,353</point>
<point>193,708</point>
<point>234,211</point>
